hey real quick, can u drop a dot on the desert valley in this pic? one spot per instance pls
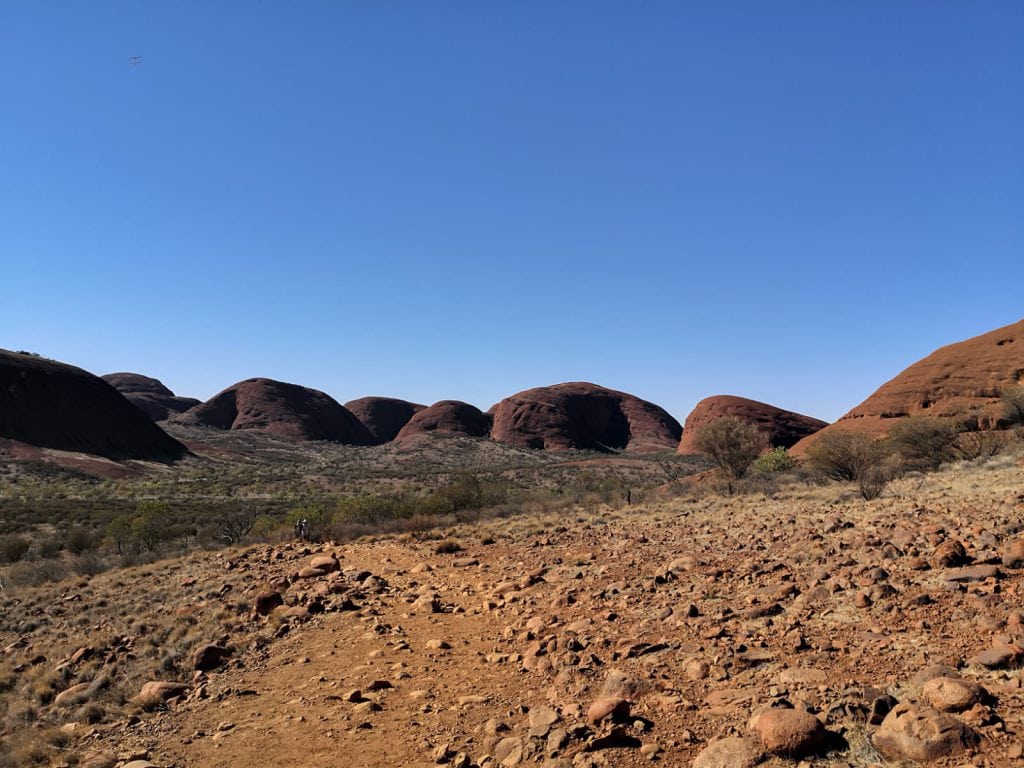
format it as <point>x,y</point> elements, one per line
<point>569,578</point>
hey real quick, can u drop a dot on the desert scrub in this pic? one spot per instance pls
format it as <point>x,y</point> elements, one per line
<point>733,444</point>
<point>772,463</point>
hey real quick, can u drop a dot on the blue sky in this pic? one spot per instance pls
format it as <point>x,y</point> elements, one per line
<point>789,201</point>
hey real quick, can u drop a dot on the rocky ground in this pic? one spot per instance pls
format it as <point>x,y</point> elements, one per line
<point>809,628</point>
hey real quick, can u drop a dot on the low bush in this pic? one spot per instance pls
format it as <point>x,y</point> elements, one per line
<point>1013,405</point>
<point>845,455</point>
<point>772,463</point>
<point>924,442</point>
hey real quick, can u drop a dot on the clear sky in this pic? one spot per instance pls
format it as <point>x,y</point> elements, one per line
<point>789,201</point>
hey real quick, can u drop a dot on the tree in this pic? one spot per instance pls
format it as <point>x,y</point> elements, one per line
<point>236,524</point>
<point>733,444</point>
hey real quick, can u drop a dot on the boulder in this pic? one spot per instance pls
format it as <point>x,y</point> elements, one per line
<point>162,691</point>
<point>951,694</point>
<point>911,732</point>
<point>208,657</point>
<point>789,732</point>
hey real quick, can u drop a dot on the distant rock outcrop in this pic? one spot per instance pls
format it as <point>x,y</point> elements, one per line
<point>962,380</point>
<point>52,405</point>
<point>583,416</point>
<point>149,395</point>
<point>284,410</point>
<point>448,417</point>
<point>384,417</point>
<point>782,428</point>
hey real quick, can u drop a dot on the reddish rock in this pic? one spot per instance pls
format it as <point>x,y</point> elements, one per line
<point>266,602</point>
<point>207,657</point>
<point>325,563</point>
<point>284,410</point>
<point>782,428</point>
<point>76,694</point>
<point>583,416</point>
<point>949,554</point>
<point>952,694</point>
<point>383,417</point>
<point>954,381</point>
<point>731,752</point>
<point>162,691</point>
<point>51,405</point>
<point>1013,553</point>
<point>605,707</point>
<point>910,732</point>
<point>448,417</point>
<point>149,395</point>
<point>791,732</point>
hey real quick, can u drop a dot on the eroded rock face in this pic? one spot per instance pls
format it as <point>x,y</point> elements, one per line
<point>449,417</point>
<point>383,417</point>
<point>149,395</point>
<point>285,410</point>
<point>953,381</point>
<point>583,416</point>
<point>52,405</point>
<point>782,428</point>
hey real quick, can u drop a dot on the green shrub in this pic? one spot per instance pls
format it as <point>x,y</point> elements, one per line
<point>733,444</point>
<point>775,461</point>
<point>13,548</point>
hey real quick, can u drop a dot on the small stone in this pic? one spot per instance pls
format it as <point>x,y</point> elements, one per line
<point>209,657</point>
<point>541,720</point>
<point>605,707</point>
<point>509,751</point>
<point>732,752</point>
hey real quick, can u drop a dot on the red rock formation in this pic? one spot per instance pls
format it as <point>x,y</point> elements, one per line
<point>953,381</point>
<point>284,410</point>
<point>52,405</point>
<point>782,428</point>
<point>384,417</point>
<point>450,417</point>
<point>149,395</point>
<point>583,416</point>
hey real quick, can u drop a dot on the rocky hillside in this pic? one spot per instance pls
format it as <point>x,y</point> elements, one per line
<point>52,405</point>
<point>149,395</point>
<point>383,417</point>
<point>953,381</point>
<point>781,428</point>
<point>447,417</point>
<point>584,416</point>
<point>284,410</point>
